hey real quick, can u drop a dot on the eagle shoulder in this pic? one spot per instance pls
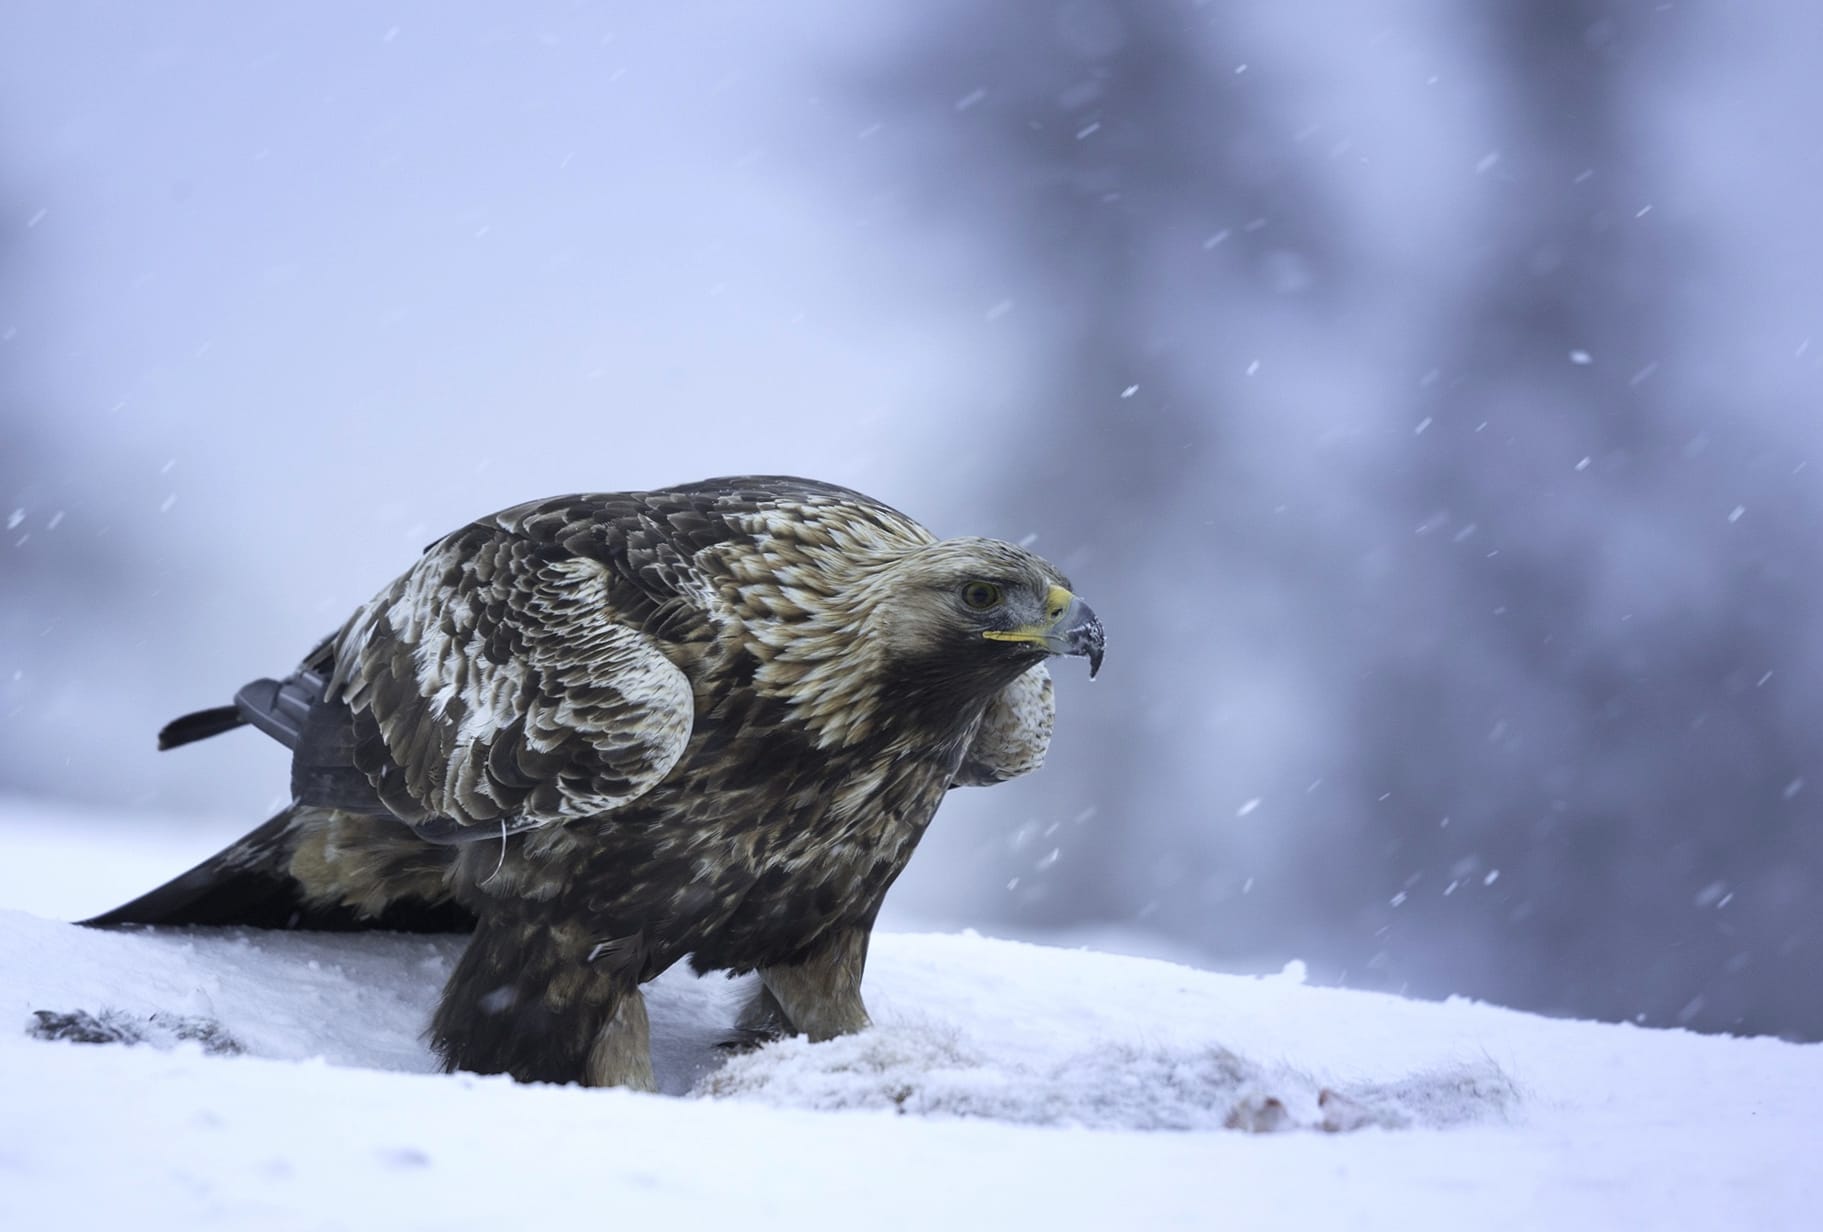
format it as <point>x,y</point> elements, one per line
<point>503,684</point>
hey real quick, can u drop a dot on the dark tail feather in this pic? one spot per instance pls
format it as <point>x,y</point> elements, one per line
<point>248,883</point>
<point>241,884</point>
<point>199,726</point>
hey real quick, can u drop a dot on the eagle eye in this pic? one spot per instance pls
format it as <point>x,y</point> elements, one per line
<point>980,595</point>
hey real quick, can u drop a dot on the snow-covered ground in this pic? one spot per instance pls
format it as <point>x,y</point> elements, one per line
<point>282,1082</point>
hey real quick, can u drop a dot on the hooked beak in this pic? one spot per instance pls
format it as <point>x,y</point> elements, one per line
<point>1074,630</point>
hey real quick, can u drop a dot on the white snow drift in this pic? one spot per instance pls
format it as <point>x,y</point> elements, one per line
<point>282,1081</point>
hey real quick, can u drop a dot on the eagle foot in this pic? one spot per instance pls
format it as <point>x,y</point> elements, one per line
<point>762,1020</point>
<point>820,995</point>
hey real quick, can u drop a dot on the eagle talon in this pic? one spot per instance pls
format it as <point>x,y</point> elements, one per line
<point>743,1042</point>
<point>762,1021</point>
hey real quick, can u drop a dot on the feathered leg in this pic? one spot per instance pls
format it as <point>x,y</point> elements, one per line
<point>621,1055</point>
<point>540,1002</point>
<point>819,996</point>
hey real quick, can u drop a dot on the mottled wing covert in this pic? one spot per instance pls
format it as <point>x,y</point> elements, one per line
<point>495,685</point>
<point>1014,733</point>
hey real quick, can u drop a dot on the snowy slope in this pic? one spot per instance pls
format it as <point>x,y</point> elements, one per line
<point>1006,1086</point>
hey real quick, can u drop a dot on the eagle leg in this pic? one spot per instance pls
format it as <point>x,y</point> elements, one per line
<point>621,1055</point>
<point>820,995</point>
<point>526,1000</point>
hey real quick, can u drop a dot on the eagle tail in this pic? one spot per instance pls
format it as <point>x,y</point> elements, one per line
<point>233,886</point>
<point>249,883</point>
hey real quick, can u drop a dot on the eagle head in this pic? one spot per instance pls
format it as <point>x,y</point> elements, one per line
<point>860,619</point>
<point>979,611</point>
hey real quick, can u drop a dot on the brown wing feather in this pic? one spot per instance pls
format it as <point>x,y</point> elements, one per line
<point>497,684</point>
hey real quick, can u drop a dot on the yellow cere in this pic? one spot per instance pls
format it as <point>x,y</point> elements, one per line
<point>1056,603</point>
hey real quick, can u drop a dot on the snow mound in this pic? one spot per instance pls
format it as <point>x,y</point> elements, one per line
<point>934,1071</point>
<point>1005,1085</point>
<point>950,1044</point>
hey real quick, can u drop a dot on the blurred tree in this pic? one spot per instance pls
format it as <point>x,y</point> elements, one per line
<point>1585,668</point>
<point>1568,781</point>
<point>1108,163</point>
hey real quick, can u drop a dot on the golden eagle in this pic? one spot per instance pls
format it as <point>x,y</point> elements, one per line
<point>608,731</point>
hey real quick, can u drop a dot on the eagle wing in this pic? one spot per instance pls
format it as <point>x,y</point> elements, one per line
<point>1015,731</point>
<point>500,686</point>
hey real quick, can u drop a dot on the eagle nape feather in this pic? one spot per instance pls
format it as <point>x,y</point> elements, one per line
<point>611,730</point>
